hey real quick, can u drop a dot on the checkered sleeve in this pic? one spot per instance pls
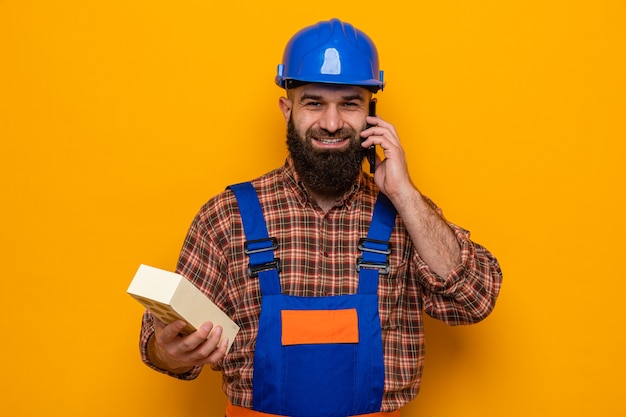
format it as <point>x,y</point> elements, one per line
<point>468,294</point>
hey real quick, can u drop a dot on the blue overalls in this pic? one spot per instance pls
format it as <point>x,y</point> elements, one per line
<point>317,356</point>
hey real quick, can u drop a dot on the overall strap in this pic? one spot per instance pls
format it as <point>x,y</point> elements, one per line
<point>258,246</point>
<point>375,247</point>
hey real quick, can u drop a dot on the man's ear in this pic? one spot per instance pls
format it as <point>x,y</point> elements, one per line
<point>285,106</point>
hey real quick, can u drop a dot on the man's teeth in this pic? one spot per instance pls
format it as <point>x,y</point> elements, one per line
<point>333,140</point>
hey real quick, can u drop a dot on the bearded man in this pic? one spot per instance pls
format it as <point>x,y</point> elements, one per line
<point>327,269</point>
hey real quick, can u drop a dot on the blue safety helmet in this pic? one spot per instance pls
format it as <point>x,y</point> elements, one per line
<point>331,52</point>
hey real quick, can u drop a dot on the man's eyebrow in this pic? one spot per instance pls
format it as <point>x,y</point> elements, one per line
<point>315,97</point>
<point>304,97</point>
<point>352,97</point>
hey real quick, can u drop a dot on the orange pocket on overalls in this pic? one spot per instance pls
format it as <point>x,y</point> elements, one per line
<point>300,327</point>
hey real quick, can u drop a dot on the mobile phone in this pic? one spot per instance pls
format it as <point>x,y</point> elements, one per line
<point>371,151</point>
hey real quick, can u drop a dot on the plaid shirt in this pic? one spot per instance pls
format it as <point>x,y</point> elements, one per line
<point>318,252</point>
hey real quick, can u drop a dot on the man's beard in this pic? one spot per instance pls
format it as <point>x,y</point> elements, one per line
<point>328,172</point>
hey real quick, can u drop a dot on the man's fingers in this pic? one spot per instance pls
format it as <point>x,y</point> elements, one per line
<point>200,343</point>
<point>203,346</point>
<point>215,353</point>
<point>170,332</point>
<point>205,340</point>
<point>219,352</point>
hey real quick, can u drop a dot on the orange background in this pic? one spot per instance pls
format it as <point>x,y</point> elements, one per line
<point>118,119</point>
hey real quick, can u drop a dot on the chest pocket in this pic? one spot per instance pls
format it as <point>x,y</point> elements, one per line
<point>300,327</point>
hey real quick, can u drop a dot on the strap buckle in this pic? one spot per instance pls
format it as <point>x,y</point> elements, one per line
<point>381,247</point>
<point>263,248</point>
<point>383,267</point>
<point>364,248</point>
<point>252,247</point>
<point>253,270</point>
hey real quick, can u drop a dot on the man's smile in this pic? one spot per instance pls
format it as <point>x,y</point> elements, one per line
<point>330,141</point>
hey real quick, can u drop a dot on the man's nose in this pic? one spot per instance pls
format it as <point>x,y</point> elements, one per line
<point>331,120</point>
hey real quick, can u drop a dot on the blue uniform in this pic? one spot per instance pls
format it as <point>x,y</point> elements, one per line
<point>317,356</point>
